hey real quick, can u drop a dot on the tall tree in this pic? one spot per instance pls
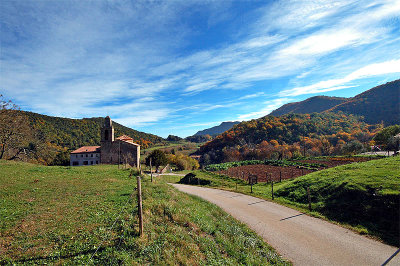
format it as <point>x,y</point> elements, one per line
<point>15,132</point>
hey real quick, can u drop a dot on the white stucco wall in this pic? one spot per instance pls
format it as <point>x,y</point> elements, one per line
<point>78,159</point>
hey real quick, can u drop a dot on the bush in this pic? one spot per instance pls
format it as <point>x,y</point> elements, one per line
<point>191,179</point>
<point>182,162</point>
<point>353,147</point>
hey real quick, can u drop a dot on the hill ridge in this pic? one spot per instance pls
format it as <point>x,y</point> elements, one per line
<point>313,104</point>
<point>216,130</point>
<point>378,104</point>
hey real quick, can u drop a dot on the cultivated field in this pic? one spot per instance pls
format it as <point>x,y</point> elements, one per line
<point>268,172</point>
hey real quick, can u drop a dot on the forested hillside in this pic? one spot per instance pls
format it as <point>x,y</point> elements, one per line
<point>74,133</point>
<point>48,140</point>
<point>381,103</point>
<point>314,104</point>
<point>290,135</point>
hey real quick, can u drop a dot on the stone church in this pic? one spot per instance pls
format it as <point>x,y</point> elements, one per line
<point>121,149</point>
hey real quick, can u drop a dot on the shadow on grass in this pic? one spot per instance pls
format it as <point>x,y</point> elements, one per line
<point>57,257</point>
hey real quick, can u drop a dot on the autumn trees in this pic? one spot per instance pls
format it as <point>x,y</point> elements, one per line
<point>290,136</point>
<point>179,161</point>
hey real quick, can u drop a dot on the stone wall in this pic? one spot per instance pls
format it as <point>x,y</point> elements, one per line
<point>126,152</point>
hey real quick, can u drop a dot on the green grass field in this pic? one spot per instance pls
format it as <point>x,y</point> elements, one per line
<point>88,215</point>
<point>362,196</point>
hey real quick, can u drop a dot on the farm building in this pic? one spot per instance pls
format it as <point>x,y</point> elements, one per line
<point>111,151</point>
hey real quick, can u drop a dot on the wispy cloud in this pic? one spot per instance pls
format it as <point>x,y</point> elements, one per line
<point>250,96</point>
<point>269,106</point>
<point>377,69</point>
<point>134,59</point>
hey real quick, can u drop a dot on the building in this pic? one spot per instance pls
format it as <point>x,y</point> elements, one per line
<point>86,155</point>
<point>111,151</point>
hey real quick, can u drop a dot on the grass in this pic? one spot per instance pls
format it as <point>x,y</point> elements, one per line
<point>87,215</point>
<point>361,196</point>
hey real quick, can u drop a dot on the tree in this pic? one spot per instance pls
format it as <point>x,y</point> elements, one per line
<point>393,143</point>
<point>15,132</point>
<point>353,147</point>
<point>173,138</point>
<point>157,158</point>
<point>384,137</point>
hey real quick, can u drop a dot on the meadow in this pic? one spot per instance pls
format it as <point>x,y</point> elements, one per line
<point>88,215</point>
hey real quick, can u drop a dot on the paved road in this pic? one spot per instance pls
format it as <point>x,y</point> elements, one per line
<point>302,239</point>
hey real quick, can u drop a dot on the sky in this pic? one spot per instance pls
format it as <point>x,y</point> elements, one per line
<point>176,67</point>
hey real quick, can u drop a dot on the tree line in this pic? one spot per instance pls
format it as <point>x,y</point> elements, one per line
<point>291,135</point>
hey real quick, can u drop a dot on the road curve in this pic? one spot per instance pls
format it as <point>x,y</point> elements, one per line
<point>302,239</point>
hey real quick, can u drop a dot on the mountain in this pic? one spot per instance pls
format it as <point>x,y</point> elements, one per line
<point>314,104</point>
<point>376,105</point>
<point>213,131</point>
<point>381,103</point>
<point>74,133</point>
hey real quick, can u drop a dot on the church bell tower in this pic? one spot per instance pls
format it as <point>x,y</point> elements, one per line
<point>107,138</point>
<point>107,131</point>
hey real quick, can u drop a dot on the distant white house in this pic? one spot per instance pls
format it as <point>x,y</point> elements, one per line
<point>86,155</point>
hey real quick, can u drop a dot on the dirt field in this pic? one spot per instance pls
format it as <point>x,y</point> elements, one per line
<point>265,172</point>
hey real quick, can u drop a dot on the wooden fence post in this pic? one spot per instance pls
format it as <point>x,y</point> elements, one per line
<point>272,189</point>
<point>309,198</point>
<point>280,176</point>
<point>140,211</point>
<point>151,171</point>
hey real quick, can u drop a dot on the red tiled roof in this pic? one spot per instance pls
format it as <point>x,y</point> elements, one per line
<point>87,149</point>
<point>127,139</point>
<point>124,137</point>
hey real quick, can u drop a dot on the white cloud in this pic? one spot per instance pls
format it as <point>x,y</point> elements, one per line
<point>254,95</point>
<point>377,69</point>
<point>143,117</point>
<point>269,107</point>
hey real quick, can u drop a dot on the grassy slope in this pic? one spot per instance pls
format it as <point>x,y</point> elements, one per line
<point>361,196</point>
<point>87,215</point>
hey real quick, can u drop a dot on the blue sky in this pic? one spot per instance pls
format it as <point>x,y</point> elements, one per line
<point>176,67</point>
